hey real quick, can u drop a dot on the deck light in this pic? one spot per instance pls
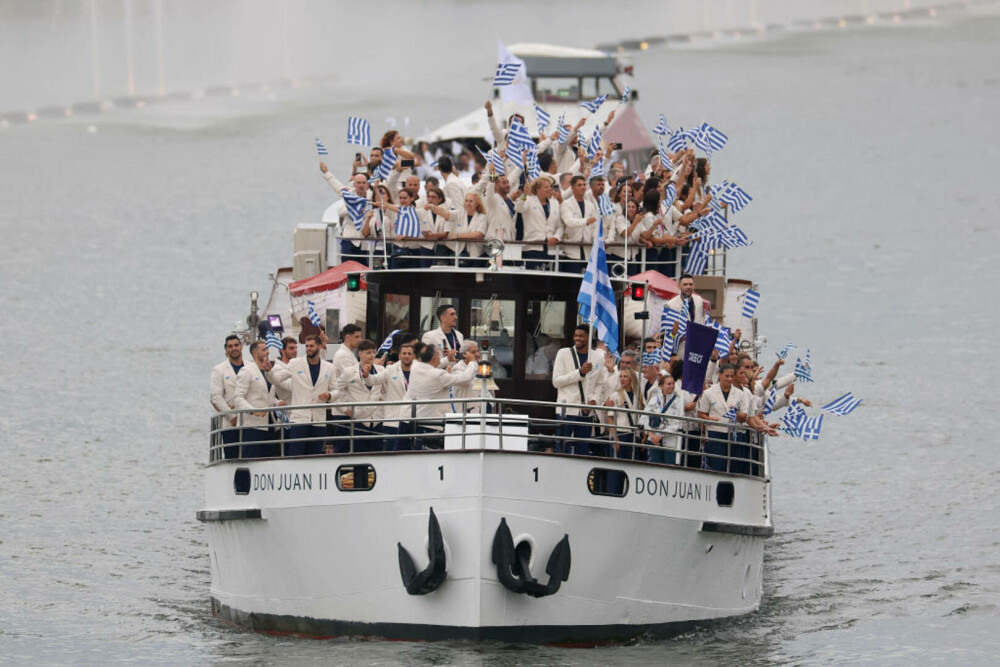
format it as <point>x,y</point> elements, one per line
<point>638,292</point>
<point>485,371</point>
<point>354,282</point>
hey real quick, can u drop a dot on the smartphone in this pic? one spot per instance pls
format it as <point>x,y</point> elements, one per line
<point>357,157</point>
<point>615,147</point>
<point>406,163</point>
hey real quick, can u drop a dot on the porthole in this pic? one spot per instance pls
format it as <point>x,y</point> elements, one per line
<point>724,494</point>
<point>607,482</point>
<point>356,477</point>
<point>241,481</point>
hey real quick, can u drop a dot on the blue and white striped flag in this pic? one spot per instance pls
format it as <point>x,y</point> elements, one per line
<point>793,419</point>
<point>697,261</point>
<point>272,342</point>
<point>772,396</point>
<point>407,222</point>
<point>605,206</point>
<point>662,128</point>
<point>811,427</point>
<point>750,301</point>
<point>359,131</point>
<point>730,415</point>
<point>387,343</point>
<point>356,207</point>
<point>563,129</point>
<point>597,171</point>
<point>626,94</point>
<point>492,157</point>
<point>665,159</point>
<point>386,166</point>
<point>506,72</point>
<point>532,167</point>
<point>678,141</point>
<point>597,297</point>
<point>670,194</point>
<point>543,119</point>
<point>595,143</point>
<point>712,138</point>
<point>595,104</point>
<point>803,369</point>
<point>734,237</point>
<point>650,358</point>
<point>314,317</point>
<point>735,197</point>
<point>321,148</point>
<point>518,138</point>
<point>667,348</point>
<point>783,353</point>
<point>842,406</point>
<point>723,342</point>
<point>667,319</point>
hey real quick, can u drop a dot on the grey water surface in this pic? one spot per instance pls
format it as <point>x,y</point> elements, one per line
<point>130,240</point>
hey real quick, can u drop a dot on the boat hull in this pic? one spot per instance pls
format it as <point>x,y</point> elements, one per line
<point>297,555</point>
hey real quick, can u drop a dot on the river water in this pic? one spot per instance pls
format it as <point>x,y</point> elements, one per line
<point>129,247</point>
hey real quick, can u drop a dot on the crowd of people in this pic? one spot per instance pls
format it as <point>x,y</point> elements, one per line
<point>402,390</point>
<point>461,200</point>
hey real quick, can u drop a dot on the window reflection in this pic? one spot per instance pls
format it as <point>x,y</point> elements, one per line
<point>543,337</point>
<point>493,323</point>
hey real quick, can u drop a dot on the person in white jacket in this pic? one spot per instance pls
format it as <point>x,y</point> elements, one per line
<point>663,422</point>
<point>578,217</point>
<point>350,236</point>
<point>355,385</point>
<point>540,211</point>
<point>254,391</point>
<point>394,383</point>
<point>429,382</point>
<point>579,377</point>
<point>311,380</point>
<point>222,391</point>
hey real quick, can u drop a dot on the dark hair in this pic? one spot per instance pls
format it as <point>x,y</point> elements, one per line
<point>431,181</point>
<point>401,337</point>
<point>545,160</point>
<point>366,345</point>
<point>581,327</point>
<point>430,189</point>
<point>699,170</point>
<point>379,149</point>
<point>686,275</point>
<point>286,340</point>
<point>444,164</point>
<point>388,138</point>
<point>229,338</point>
<point>648,340</point>
<point>677,368</point>
<point>418,347</point>
<point>652,183</point>
<point>427,353</point>
<point>476,177</point>
<point>576,179</point>
<point>726,367</point>
<point>651,201</point>
<point>254,345</point>
<point>349,330</point>
<point>409,345</point>
<point>442,309</point>
<point>319,341</point>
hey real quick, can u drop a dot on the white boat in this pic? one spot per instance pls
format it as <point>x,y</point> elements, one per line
<point>496,535</point>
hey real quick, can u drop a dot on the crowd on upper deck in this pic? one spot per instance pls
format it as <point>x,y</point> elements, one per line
<point>462,201</point>
<point>391,385</point>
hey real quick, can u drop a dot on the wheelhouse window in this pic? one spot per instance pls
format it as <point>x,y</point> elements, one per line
<point>594,86</point>
<point>493,323</point>
<point>543,336</point>
<point>397,314</point>
<point>557,89</point>
<point>428,310</point>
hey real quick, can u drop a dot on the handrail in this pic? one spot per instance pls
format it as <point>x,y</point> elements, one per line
<point>724,447</point>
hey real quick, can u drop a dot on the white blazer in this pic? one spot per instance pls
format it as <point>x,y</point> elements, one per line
<point>222,387</point>
<point>459,223</point>
<point>296,378</point>
<point>454,191</point>
<point>428,382</point>
<point>566,378</point>
<point>437,338</point>
<point>576,228</point>
<point>537,225</point>
<point>394,386</point>
<point>700,307</point>
<point>353,388</point>
<point>661,419</point>
<point>253,393</point>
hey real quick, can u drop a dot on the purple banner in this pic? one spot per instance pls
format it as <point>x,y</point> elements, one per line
<point>697,353</point>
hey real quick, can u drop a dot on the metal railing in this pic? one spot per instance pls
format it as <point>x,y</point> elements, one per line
<point>491,423</point>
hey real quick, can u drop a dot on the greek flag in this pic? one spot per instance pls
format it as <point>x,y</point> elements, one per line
<point>842,406</point>
<point>385,167</point>
<point>625,95</point>
<point>734,237</point>
<point>563,130</point>
<point>492,157</point>
<point>670,194</point>
<point>669,316</point>
<point>793,420</point>
<point>314,317</point>
<point>678,141</point>
<point>667,348</point>
<point>709,139</point>
<point>723,342</point>
<point>532,166</point>
<point>595,104</point>
<point>665,159</point>
<point>662,128</point>
<point>407,222</point>
<point>543,118</point>
<point>597,297</point>
<point>650,358</point>
<point>785,350</point>
<point>321,148</point>
<point>605,206</point>
<point>730,415</point>
<point>272,342</point>
<point>359,132</point>
<point>697,261</point>
<point>715,191</point>
<point>518,139</point>
<point>387,343</point>
<point>506,73</point>
<point>811,427</point>
<point>750,300</point>
<point>595,143</point>
<point>597,171</point>
<point>803,369</point>
<point>735,197</point>
<point>356,207</point>
<point>772,396</point>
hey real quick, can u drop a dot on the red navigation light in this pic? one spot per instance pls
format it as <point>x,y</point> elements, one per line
<point>638,292</point>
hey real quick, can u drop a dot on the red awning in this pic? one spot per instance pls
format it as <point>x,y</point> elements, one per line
<point>328,280</point>
<point>662,286</point>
